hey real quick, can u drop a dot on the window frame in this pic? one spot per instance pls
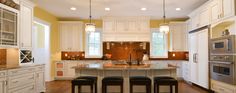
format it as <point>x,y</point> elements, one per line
<point>87,45</point>
<point>155,30</point>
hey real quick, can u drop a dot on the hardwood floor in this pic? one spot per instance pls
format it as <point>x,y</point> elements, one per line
<point>65,87</point>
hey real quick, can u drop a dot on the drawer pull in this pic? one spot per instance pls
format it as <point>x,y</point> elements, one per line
<point>14,71</point>
<point>31,88</point>
<point>31,78</point>
<point>15,82</point>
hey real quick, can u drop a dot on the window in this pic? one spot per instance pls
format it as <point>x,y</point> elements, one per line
<point>93,45</point>
<point>158,44</point>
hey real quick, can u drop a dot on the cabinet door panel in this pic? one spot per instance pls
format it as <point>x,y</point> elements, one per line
<point>109,26</point>
<point>192,50</point>
<point>65,38</point>
<point>121,26</point>
<point>40,82</point>
<point>215,10</point>
<point>195,21</point>
<point>204,17</point>
<point>2,86</point>
<point>228,9</point>
<point>202,58</point>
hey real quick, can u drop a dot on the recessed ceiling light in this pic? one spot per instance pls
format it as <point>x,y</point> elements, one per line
<point>107,9</point>
<point>73,8</point>
<point>177,9</point>
<point>143,9</point>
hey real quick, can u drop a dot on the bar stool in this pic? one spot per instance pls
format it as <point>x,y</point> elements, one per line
<point>112,81</point>
<point>140,80</point>
<point>165,81</point>
<point>84,81</point>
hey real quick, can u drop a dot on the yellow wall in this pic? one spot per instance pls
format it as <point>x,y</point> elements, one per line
<point>54,35</point>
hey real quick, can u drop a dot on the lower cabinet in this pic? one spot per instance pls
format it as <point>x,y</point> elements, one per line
<point>219,87</point>
<point>23,80</point>
<point>185,71</point>
<point>3,84</point>
<point>25,89</point>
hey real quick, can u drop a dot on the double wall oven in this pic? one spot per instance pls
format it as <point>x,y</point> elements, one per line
<point>223,59</point>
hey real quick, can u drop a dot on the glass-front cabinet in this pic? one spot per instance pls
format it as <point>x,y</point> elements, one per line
<point>8,27</point>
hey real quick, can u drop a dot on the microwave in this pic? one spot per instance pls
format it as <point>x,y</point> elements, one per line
<point>223,45</point>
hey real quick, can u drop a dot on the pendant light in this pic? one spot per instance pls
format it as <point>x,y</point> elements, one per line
<point>90,27</point>
<point>164,27</point>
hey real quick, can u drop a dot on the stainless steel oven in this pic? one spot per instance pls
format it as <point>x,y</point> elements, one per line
<point>223,68</point>
<point>223,45</point>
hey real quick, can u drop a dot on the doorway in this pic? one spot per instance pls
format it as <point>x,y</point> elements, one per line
<point>41,45</point>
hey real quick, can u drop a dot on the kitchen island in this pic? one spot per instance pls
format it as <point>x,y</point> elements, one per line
<point>148,69</point>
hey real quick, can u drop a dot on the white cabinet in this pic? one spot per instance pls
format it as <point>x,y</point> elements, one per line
<point>221,9</point>
<point>198,58</point>
<point>186,71</point>
<point>26,24</point>
<point>70,72</point>
<point>3,84</point>
<point>126,29</point>
<point>64,69</point>
<point>215,8</point>
<point>200,17</point>
<point>40,79</point>
<point>108,26</point>
<point>220,87</point>
<point>178,31</point>
<point>26,80</point>
<point>71,34</point>
<point>24,89</point>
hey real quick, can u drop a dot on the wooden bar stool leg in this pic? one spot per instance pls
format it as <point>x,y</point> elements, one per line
<point>149,88</point>
<point>131,88</point>
<point>157,91</point>
<point>176,88</point>
<point>79,89</point>
<point>91,88</point>
<point>73,88</point>
<point>171,89</point>
<point>96,88</point>
<point>121,88</point>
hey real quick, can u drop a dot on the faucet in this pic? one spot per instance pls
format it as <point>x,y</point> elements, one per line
<point>130,59</point>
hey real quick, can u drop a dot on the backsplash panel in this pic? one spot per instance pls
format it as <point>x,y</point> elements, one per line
<point>3,56</point>
<point>123,50</point>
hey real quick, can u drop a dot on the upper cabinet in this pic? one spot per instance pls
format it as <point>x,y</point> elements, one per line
<point>221,9</point>
<point>200,17</point>
<point>9,26</point>
<point>178,31</point>
<point>71,36</point>
<point>212,12</point>
<point>126,28</point>
<point>26,24</point>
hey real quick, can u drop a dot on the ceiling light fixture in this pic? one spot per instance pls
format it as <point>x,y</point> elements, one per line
<point>143,9</point>
<point>107,9</point>
<point>73,8</point>
<point>177,9</point>
<point>90,27</point>
<point>164,27</point>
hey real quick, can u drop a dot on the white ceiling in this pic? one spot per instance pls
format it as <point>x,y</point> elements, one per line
<point>61,8</point>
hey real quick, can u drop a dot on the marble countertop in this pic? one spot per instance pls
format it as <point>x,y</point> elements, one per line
<point>110,66</point>
<point>7,67</point>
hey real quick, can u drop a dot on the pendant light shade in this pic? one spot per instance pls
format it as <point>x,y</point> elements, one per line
<point>164,27</point>
<point>90,27</point>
